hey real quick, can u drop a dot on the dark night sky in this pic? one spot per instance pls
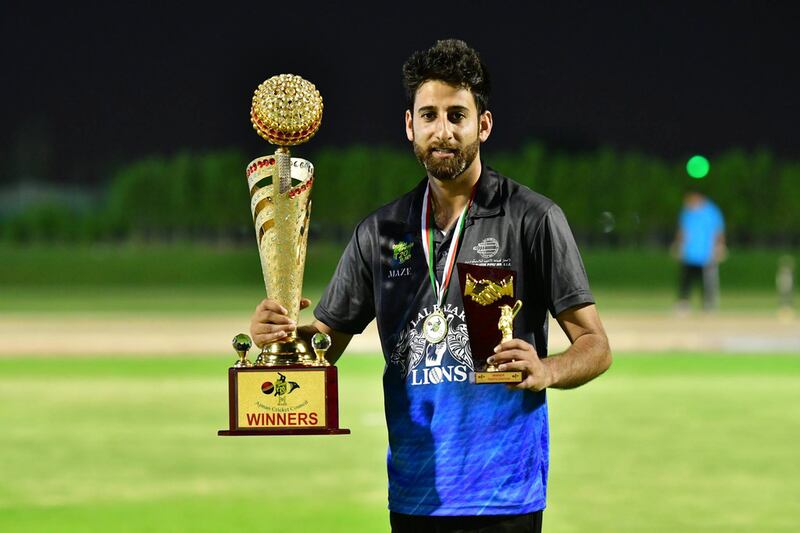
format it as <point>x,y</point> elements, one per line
<point>90,88</point>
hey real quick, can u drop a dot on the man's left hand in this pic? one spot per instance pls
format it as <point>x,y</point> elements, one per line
<point>518,355</point>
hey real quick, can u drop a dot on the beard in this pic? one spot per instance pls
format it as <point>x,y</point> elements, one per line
<point>450,168</point>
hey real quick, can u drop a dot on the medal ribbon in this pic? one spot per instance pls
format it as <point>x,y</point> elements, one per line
<point>428,247</point>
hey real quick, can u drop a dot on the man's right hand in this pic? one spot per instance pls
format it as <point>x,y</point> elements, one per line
<point>270,321</point>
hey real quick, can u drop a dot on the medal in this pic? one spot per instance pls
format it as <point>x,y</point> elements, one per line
<point>434,327</point>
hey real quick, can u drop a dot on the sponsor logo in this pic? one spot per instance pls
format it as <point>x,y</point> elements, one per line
<point>281,388</point>
<point>487,248</point>
<point>401,252</point>
<point>399,272</point>
<point>424,363</point>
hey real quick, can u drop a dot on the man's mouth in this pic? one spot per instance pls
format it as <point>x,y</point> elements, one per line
<point>443,153</point>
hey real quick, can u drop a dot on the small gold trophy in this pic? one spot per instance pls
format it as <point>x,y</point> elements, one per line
<point>490,308</point>
<point>506,326</point>
<point>285,391</point>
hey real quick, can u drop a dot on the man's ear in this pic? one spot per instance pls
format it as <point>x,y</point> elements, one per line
<point>484,125</point>
<point>409,126</point>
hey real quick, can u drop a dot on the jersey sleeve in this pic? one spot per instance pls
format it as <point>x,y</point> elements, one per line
<point>348,303</point>
<point>562,276</point>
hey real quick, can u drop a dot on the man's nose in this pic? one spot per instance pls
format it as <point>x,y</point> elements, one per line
<point>444,130</point>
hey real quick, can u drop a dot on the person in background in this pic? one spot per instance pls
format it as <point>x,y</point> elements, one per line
<point>784,282</point>
<point>700,247</point>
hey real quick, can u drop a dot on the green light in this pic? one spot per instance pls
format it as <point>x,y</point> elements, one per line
<point>697,167</point>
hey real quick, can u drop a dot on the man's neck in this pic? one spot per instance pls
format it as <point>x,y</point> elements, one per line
<point>449,197</point>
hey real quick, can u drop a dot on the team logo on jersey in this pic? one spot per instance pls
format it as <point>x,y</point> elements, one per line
<point>401,252</point>
<point>487,248</point>
<point>422,362</point>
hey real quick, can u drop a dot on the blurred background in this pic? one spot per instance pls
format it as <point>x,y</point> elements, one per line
<point>128,260</point>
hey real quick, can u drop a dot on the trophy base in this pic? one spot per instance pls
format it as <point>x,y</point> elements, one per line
<point>283,400</point>
<point>275,432</point>
<point>287,352</point>
<point>487,377</point>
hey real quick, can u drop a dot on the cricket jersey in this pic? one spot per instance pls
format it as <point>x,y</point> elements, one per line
<point>456,448</point>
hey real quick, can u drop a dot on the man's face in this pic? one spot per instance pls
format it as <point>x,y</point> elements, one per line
<point>446,129</point>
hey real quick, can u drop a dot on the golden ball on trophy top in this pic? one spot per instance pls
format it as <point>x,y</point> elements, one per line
<point>286,110</point>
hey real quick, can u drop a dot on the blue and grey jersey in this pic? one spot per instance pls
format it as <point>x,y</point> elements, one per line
<point>456,448</point>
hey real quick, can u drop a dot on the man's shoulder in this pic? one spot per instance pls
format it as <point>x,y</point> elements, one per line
<point>392,217</point>
<point>396,210</point>
<point>521,200</point>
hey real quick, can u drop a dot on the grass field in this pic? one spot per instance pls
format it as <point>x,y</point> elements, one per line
<point>202,265</point>
<point>662,443</point>
<point>213,299</point>
<point>186,278</point>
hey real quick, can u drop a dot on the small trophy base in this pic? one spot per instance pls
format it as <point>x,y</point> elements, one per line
<point>486,377</point>
<point>283,400</point>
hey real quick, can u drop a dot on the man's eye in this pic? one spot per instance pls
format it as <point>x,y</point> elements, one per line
<point>457,117</point>
<point>429,116</point>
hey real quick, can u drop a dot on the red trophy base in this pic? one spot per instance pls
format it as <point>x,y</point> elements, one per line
<point>283,400</point>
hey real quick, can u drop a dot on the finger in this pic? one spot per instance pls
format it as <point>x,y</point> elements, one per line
<point>304,302</point>
<point>271,305</point>
<point>267,338</point>
<point>515,366</point>
<point>525,384</point>
<point>261,329</point>
<point>529,383</point>
<point>511,355</point>
<point>271,317</point>
<point>518,344</point>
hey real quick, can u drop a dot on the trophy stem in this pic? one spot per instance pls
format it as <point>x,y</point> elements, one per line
<point>289,251</point>
<point>283,169</point>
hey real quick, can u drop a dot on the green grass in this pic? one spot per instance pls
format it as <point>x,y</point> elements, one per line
<point>662,443</point>
<point>197,265</point>
<point>235,299</point>
<point>182,265</point>
<point>202,278</point>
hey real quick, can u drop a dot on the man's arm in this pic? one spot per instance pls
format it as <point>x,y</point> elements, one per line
<point>587,357</point>
<point>720,251</point>
<point>270,322</point>
<point>339,340</point>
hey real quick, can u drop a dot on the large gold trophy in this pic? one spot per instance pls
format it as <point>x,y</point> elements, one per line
<point>286,391</point>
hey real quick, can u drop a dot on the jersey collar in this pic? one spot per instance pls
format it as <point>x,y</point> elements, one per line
<point>487,201</point>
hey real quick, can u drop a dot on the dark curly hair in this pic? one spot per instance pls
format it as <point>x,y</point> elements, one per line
<point>453,62</point>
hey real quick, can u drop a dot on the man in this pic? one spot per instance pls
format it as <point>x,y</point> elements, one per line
<point>700,246</point>
<point>462,457</point>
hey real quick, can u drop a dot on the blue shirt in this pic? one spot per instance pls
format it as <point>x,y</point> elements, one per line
<point>456,448</point>
<point>700,226</point>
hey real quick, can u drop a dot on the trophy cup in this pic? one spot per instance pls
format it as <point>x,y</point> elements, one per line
<point>285,391</point>
<point>490,308</point>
